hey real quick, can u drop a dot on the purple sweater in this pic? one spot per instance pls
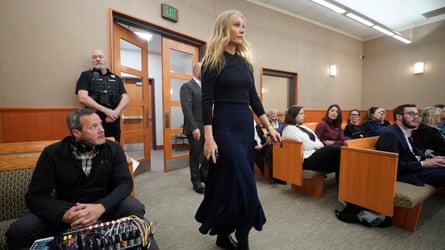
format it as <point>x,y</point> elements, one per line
<point>327,131</point>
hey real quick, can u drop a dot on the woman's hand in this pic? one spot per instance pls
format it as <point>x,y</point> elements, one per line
<point>329,142</point>
<point>211,150</point>
<point>274,134</point>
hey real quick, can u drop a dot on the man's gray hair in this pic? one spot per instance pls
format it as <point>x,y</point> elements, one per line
<point>73,119</point>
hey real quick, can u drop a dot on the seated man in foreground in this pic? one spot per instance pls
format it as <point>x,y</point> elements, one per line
<point>90,179</point>
<point>413,166</point>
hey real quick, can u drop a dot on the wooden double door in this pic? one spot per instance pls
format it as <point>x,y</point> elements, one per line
<point>130,61</point>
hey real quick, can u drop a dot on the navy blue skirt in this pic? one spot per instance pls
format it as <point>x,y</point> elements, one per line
<point>231,200</point>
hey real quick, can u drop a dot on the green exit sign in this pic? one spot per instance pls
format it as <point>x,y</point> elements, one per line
<point>169,12</point>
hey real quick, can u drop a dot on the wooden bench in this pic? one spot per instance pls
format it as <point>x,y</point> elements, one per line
<point>288,166</point>
<point>368,178</point>
<point>367,142</point>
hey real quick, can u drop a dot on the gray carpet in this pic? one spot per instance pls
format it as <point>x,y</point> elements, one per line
<point>294,220</point>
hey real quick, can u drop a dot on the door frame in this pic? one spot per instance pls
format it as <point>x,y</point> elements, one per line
<point>143,126</point>
<point>119,17</point>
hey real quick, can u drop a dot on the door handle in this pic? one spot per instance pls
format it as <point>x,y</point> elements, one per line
<point>132,117</point>
<point>148,119</point>
<point>167,118</point>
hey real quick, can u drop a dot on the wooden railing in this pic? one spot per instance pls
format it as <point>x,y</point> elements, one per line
<point>19,124</point>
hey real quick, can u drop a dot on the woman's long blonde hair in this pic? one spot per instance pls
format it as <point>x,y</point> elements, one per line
<point>428,115</point>
<point>214,57</point>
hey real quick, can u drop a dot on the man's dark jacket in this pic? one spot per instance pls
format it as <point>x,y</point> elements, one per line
<point>392,139</point>
<point>57,169</point>
<point>190,94</point>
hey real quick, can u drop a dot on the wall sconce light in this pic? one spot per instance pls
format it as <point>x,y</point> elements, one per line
<point>332,70</point>
<point>419,68</point>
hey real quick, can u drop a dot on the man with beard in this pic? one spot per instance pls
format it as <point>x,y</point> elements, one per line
<point>413,166</point>
<point>103,91</point>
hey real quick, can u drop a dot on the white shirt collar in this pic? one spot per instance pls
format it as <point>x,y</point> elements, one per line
<point>198,81</point>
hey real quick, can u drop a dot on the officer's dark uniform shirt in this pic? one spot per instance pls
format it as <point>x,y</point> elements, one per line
<point>104,89</point>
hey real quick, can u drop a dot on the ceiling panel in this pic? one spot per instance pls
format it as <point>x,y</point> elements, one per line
<point>396,15</point>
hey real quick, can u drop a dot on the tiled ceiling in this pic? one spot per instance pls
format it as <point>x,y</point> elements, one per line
<point>396,15</point>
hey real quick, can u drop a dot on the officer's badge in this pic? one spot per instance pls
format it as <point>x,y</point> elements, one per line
<point>112,76</point>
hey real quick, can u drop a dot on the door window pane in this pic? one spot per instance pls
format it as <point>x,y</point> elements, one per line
<point>177,117</point>
<point>181,62</point>
<point>131,55</point>
<point>179,144</point>
<point>175,86</point>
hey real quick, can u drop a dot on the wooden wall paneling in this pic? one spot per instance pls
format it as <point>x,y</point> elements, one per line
<point>2,133</point>
<point>311,115</point>
<point>21,124</point>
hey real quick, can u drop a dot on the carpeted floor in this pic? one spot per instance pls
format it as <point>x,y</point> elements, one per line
<point>294,220</point>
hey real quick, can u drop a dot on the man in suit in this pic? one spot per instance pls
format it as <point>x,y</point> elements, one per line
<point>413,166</point>
<point>190,94</point>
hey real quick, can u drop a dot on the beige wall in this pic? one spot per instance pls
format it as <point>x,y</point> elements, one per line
<point>388,78</point>
<point>45,44</point>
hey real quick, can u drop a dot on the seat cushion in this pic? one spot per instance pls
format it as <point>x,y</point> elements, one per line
<point>408,195</point>
<point>13,187</point>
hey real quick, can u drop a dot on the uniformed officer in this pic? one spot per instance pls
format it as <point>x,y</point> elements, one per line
<point>100,89</point>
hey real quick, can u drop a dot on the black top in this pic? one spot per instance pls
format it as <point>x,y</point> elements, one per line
<point>351,129</point>
<point>371,128</point>
<point>235,83</point>
<point>426,137</point>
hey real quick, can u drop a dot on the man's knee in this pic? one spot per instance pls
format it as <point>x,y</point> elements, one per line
<point>13,234</point>
<point>19,234</point>
<point>132,206</point>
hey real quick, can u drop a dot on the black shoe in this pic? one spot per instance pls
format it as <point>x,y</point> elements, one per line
<point>199,189</point>
<point>277,181</point>
<point>226,242</point>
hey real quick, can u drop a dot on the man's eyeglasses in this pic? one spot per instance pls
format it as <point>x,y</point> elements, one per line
<point>413,114</point>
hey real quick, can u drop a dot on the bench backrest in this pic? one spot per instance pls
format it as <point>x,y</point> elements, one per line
<point>311,125</point>
<point>368,176</point>
<point>24,155</point>
<point>367,142</point>
<point>24,147</point>
<point>288,161</point>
